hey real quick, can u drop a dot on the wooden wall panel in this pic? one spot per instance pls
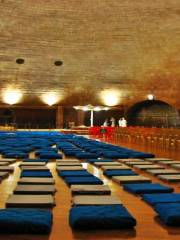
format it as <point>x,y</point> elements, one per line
<point>30,118</point>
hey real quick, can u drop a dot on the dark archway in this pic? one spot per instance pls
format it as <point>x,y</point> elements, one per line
<point>153,113</point>
<point>7,117</point>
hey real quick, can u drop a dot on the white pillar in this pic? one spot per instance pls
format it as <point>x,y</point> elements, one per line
<point>91,119</point>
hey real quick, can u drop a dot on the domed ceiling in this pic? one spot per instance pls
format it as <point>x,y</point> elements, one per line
<point>90,51</point>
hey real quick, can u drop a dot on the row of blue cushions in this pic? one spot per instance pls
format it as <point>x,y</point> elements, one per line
<point>167,205</point>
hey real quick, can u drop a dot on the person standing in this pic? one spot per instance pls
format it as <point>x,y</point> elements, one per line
<point>105,124</point>
<point>123,122</point>
<point>112,122</point>
<point>120,122</point>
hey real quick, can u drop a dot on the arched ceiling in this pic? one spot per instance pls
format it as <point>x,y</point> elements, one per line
<point>132,47</point>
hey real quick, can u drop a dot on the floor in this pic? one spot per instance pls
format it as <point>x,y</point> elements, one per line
<point>148,225</point>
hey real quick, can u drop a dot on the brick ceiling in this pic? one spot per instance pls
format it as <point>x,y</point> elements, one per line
<point>132,47</point>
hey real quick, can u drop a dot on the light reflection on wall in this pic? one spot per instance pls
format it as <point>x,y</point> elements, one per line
<point>50,98</point>
<point>110,97</point>
<point>11,96</point>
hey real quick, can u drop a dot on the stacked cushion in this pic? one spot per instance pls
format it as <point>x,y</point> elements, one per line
<point>169,213</point>
<point>36,174</point>
<point>26,221</point>
<point>50,155</point>
<point>86,155</point>
<point>110,173</point>
<point>77,173</point>
<point>101,217</point>
<point>147,188</point>
<point>114,155</point>
<point>161,198</point>
<point>83,180</point>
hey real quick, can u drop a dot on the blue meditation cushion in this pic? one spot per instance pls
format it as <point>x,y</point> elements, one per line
<point>36,174</point>
<point>70,153</point>
<point>141,155</point>
<point>140,188</point>
<point>78,173</point>
<point>101,217</point>
<point>15,155</point>
<point>161,198</point>
<point>169,213</point>
<point>35,160</point>
<point>99,160</point>
<point>86,155</point>
<point>95,150</point>
<point>26,149</point>
<point>46,151</point>
<point>83,180</point>
<point>25,221</point>
<point>51,155</point>
<point>119,172</point>
<point>115,155</point>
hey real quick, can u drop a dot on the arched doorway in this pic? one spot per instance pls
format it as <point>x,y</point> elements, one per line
<point>153,113</point>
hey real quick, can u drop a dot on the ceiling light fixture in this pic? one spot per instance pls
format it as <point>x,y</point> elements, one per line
<point>150,97</point>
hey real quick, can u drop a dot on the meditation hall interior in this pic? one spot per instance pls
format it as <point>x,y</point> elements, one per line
<point>89,120</point>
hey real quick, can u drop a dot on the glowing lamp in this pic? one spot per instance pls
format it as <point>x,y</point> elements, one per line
<point>12,96</point>
<point>85,108</point>
<point>50,98</point>
<point>150,97</point>
<point>97,109</point>
<point>110,98</point>
<point>91,108</point>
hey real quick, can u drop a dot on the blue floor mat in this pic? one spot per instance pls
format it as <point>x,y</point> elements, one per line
<point>161,198</point>
<point>147,188</point>
<point>86,155</point>
<point>36,174</point>
<point>141,155</point>
<point>115,155</point>
<point>111,173</point>
<point>15,155</point>
<point>169,213</point>
<point>51,155</point>
<point>101,217</point>
<point>25,221</point>
<point>74,173</point>
<point>35,160</point>
<point>83,180</point>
